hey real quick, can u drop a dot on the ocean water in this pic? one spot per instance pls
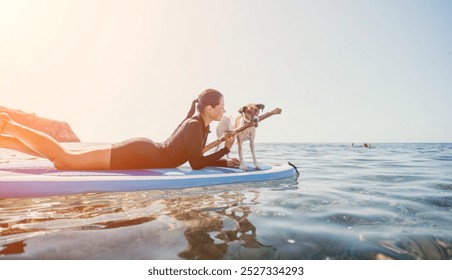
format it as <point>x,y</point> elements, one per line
<point>390,201</point>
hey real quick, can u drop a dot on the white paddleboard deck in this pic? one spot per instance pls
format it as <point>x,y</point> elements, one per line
<point>42,179</point>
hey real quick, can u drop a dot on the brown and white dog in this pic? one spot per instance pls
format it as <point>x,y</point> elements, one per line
<point>248,114</point>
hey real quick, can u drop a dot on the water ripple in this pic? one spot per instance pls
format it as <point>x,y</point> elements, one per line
<point>392,201</point>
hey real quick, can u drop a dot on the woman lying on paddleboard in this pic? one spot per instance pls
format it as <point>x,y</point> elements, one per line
<point>185,144</point>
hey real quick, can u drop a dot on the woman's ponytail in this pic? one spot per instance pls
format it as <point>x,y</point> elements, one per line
<point>192,109</point>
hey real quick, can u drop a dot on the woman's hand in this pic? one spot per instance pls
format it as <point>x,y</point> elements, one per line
<point>233,162</point>
<point>229,140</point>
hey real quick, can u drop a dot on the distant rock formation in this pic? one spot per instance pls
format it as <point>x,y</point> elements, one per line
<point>59,130</point>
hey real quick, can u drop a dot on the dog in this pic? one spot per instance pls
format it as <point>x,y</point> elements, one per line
<point>248,114</point>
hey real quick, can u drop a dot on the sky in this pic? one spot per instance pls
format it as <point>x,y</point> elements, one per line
<point>341,70</point>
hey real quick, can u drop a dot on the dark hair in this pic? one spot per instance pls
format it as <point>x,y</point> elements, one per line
<point>208,97</point>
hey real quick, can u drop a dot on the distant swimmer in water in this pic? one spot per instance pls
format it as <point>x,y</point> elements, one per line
<point>365,145</point>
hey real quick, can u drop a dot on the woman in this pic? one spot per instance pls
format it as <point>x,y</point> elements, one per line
<point>185,144</point>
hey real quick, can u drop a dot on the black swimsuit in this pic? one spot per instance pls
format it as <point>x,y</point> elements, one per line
<point>185,144</point>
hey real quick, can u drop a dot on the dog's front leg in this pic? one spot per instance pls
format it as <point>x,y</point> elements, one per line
<point>239,148</point>
<point>253,153</point>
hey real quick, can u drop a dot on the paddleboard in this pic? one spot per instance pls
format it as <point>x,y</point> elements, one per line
<point>42,179</point>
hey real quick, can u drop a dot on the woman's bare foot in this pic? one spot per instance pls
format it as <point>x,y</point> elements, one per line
<point>4,119</point>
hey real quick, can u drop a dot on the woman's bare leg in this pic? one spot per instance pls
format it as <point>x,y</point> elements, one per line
<point>48,147</point>
<point>9,142</point>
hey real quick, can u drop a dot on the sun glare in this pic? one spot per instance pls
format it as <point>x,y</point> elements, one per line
<point>11,13</point>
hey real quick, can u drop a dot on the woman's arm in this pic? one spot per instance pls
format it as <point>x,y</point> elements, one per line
<point>194,143</point>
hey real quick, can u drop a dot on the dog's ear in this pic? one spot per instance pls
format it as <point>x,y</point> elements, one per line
<point>243,109</point>
<point>260,106</point>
